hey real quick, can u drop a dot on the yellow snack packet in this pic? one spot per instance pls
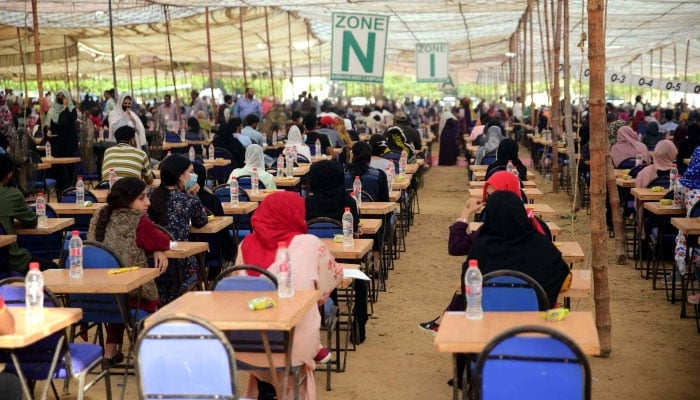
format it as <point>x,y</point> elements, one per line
<point>555,314</point>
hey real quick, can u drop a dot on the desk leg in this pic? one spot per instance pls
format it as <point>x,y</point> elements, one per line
<point>52,369</point>
<point>455,389</point>
<point>273,371</point>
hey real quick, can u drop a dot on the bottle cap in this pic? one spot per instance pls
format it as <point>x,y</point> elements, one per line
<point>34,265</point>
<point>80,178</point>
<point>255,169</point>
<point>40,194</point>
<point>281,244</point>
<point>75,233</point>
<point>357,177</point>
<point>347,209</point>
<point>473,263</point>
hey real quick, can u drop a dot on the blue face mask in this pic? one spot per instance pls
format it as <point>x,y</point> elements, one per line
<point>191,182</point>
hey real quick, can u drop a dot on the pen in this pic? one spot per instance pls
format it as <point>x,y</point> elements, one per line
<point>120,270</point>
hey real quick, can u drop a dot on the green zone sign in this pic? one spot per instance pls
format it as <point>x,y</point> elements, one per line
<point>432,61</point>
<point>358,47</point>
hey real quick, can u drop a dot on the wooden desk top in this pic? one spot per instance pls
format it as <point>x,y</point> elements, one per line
<point>571,252</point>
<point>531,193</point>
<point>543,210</point>
<point>170,146</point>
<point>42,166</point>
<point>361,247</point>
<point>394,196</point>
<point>53,225</point>
<point>622,182</point>
<point>412,168</point>
<point>72,209</point>
<point>553,227</point>
<point>6,240</point>
<point>215,225</point>
<point>689,226</point>
<point>457,334</point>
<point>646,194</point>
<point>154,184</point>
<point>262,194</point>
<point>581,284</point>
<point>217,162</point>
<point>480,184</point>
<point>287,182</point>
<point>55,319</point>
<point>377,207</point>
<point>323,157</point>
<point>656,208</point>
<point>403,184</point>
<point>244,207</point>
<point>186,249</point>
<point>228,310</point>
<point>100,194</point>
<point>278,145</point>
<point>370,226</point>
<point>480,175</point>
<point>476,167</point>
<point>60,160</point>
<point>302,169</point>
<point>98,280</point>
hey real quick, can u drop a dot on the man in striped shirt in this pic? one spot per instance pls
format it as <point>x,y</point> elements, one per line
<point>125,158</point>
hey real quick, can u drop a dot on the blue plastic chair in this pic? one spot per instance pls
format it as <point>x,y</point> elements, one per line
<point>221,174</point>
<point>45,246</point>
<point>324,228</point>
<point>242,222</point>
<point>75,360</point>
<point>508,290</point>
<point>203,367</point>
<point>82,222</point>
<point>518,365</point>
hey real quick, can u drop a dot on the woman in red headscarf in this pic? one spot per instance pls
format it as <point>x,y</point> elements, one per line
<point>282,218</point>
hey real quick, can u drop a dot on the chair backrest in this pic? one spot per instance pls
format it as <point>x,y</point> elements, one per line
<point>102,185</point>
<point>172,137</point>
<point>508,290</point>
<point>220,174</point>
<point>46,246</point>
<point>203,367</point>
<point>68,196</point>
<point>325,228</point>
<point>488,158</point>
<point>301,159</point>
<point>663,179</point>
<point>627,163</point>
<point>532,362</point>
<point>245,182</point>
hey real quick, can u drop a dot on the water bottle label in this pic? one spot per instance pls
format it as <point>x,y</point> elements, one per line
<point>284,267</point>
<point>472,289</point>
<point>75,252</point>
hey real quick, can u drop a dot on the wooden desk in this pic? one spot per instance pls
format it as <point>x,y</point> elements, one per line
<point>100,194</point>
<point>621,172</point>
<point>531,193</point>
<point>277,146</point>
<point>287,182</point>
<point>215,225</point>
<point>218,162</point>
<point>154,184</point>
<point>42,166</point>
<point>60,160</point>
<point>481,175</point>
<point>302,169</point>
<point>262,194</point>
<point>315,159</point>
<point>6,240</point>
<point>402,184</point>
<point>689,226</point>
<point>370,226</point>
<point>170,145</point>
<point>553,227</point>
<point>580,284</point>
<point>625,183</point>
<point>377,207</point>
<point>186,249</point>
<point>53,225</point>
<point>394,196</point>
<point>480,184</point>
<point>98,280</point>
<point>412,168</point>
<point>457,334</point>
<point>357,252</point>
<point>646,194</point>
<point>476,167</point>
<point>72,209</point>
<point>571,252</point>
<point>542,210</point>
<point>656,208</point>
<point>244,207</point>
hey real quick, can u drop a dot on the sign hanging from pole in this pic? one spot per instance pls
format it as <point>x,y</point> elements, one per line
<point>358,47</point>
<point>432,61</point>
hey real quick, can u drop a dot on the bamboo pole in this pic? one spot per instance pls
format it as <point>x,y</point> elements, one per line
<point>111,44</point>
<point>685,73</point>
<point>555,111</point>
<point>661,73</point>
<point>24,67</point>
<point>599,160</point>
<point>37,60</point>
<point>240,31</point>
<point>308,48</point>
<point>269,54</point>
<point>170,53</point>
<point>544,49</point>
<point>523,81</point>
<point>77,71</point>
<point>532,71</point>
<point>155,76</point>
<point>570,150</point>
<point>211,75</point>
<point>131,77</point>
<point>65,62</point>
<point>548,45</point>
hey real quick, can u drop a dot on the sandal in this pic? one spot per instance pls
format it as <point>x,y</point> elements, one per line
<point>694,299</point>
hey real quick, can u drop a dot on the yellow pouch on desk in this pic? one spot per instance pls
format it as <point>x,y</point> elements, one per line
<point>148,291</point>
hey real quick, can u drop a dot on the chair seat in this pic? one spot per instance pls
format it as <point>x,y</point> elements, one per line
<point>82,355</point>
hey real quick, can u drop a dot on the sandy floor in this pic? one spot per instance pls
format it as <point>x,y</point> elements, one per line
<point>656,355</point>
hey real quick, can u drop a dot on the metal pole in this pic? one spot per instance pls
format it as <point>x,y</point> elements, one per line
<point>269,55</point>
<point>111,44</point>
<point>240,29</point>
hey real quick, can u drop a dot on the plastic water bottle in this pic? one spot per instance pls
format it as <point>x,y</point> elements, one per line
<point>233,191</point>
<point>192,154</point>
<point>677,194</point>
<point>317,147</point>
<point>509,166</point>
<point>112,176</point>
<point>389,170</point>
<point>170,153</point>
<point>357,191</point>
<point>48,149</point>
<point>75,260</point>
<point>472,287</point>
<point>285,287</point>
<point>638,160</point>
<point>211,152</point>
<point>348,239</point>
<point>255,181</point>
<point>41,210</point>
<point>280,165</point>
<point>80,192</point>
<point>34,293</point>
<point>183,135</point>
<point>274,137</point>
<point>403,160</point>
<point>673,174</point>
<point>290,163</point>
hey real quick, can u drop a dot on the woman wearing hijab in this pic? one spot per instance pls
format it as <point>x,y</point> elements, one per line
<point>224,138</point>
<point>508,240</point>
<point>254,159</point>
<point>122,115</point>
<point>687,146</point>
<point>639,123</point>
<point>494,136</point>
<point>194,130</point>
<point>374,181</point>
<point>628,146</point>
<point>664,156</point>
<point>6,121</point>
<point>328,195</point>
<point>689,189</point>
<point>449,139</point>
<point>295,139</point>
<point>379,149</point>
<point>63,135</point>
<point>507,151</point>
<point>652,135</point>
<point>282,218</point>
<point>396,139</point>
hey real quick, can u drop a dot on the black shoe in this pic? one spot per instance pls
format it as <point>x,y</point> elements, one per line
<point>431,327</point>
<point>117,359</point>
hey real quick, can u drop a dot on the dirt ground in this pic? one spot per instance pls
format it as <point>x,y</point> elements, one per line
<point>655,354</point>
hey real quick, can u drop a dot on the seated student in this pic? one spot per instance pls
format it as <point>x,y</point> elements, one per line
<point>10,386</point>
<point>379,149</point>
<point>125,158</point>
<point>194,131</point>
<point>14,207</point>
<point>124,227</point>
<point>254,159</point>
<point>295,139</point>
<point>507,151</point>
<point>282,218</point>
<point>225,139</point>
<point>494,136</point>
<point>652,136</point>
<point>373,180</point>
<point>174,205</point>
<point>626,148</point>
<point>328,195</point>
<point>689,189</point>
<point>310,123</point>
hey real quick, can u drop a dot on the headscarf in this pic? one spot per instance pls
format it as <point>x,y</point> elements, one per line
<point>493,139</point>
<point>508,151</point>
<point>397,140</point>
<point>505,181</point>
<point>507,240</point>
<point>446,115</point>
<point>679,136</point>
<point>628,146</point>
<point>379,145</point>
<point>329,199</point>
<point>55,110</point>
<point>277,219</point>
<point>691,177</point>
<point>294,136</point>
<point>665,154</point>
<point>254,157</point>
<point>612,130</point>
<point>119,118</point>
<point>652,136</point>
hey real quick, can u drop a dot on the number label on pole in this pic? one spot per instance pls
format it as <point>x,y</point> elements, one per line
<point>432,62</point>
<point>358,47</point>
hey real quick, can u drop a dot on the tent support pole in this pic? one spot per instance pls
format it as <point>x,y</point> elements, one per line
<point>155,76</point>
<point>37,60</point>
<point>532,71</point>
<point>240,29</point>
<point>211,74</point>
<point>308,49</point>
<point>289,44</point>
<point>111,44</point>
<point>65,62</point>
<point>685,73</point>
<point>24,65</point>
<point>131,77</point>
<point>269,55</point>
<point>661,72</point>
<point>170,52</point>
<point>555,115</point>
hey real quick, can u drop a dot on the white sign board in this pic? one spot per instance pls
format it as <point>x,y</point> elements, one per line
<point>432,61</point>
<point>358,47</point>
